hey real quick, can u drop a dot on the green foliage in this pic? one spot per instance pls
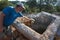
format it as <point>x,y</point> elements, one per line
<point>57,8</point>
<point>11,4</point>
<point>33,7</point>
<point>32,3</point>
<point>39,8</point>
<point>47,8</point>
<point>30,6</point>
<point>3,4</point>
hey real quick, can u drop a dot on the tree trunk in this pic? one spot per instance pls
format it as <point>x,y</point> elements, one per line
<point>26,31</point>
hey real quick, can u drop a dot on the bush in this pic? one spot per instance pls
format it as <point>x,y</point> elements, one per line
<point>3,4</point>
<point>57,8</point>
<point>39,8</point>
<point>47,8</point>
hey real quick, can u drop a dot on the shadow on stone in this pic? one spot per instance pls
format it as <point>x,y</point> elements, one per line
<point>41,23</point>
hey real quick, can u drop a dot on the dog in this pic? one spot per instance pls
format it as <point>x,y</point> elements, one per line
<point>17,35</point>
<point>27,21</point>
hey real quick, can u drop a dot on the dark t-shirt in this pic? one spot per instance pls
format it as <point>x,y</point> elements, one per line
<point>11,15</point>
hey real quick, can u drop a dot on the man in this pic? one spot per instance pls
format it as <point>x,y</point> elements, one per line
<point>8,15</point>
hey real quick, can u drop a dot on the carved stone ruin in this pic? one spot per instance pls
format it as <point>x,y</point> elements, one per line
<point>44,28</point>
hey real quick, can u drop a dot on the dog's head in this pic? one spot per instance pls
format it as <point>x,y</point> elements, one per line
<point>27,21</point>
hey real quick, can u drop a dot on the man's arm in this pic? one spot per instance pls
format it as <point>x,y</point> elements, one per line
<point>1,22</point>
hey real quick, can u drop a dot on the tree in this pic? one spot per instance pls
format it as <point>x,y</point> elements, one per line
<point>31,3</point>
<point>3,3</point>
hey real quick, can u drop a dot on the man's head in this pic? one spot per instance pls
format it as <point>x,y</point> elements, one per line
<point>20,7</point>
